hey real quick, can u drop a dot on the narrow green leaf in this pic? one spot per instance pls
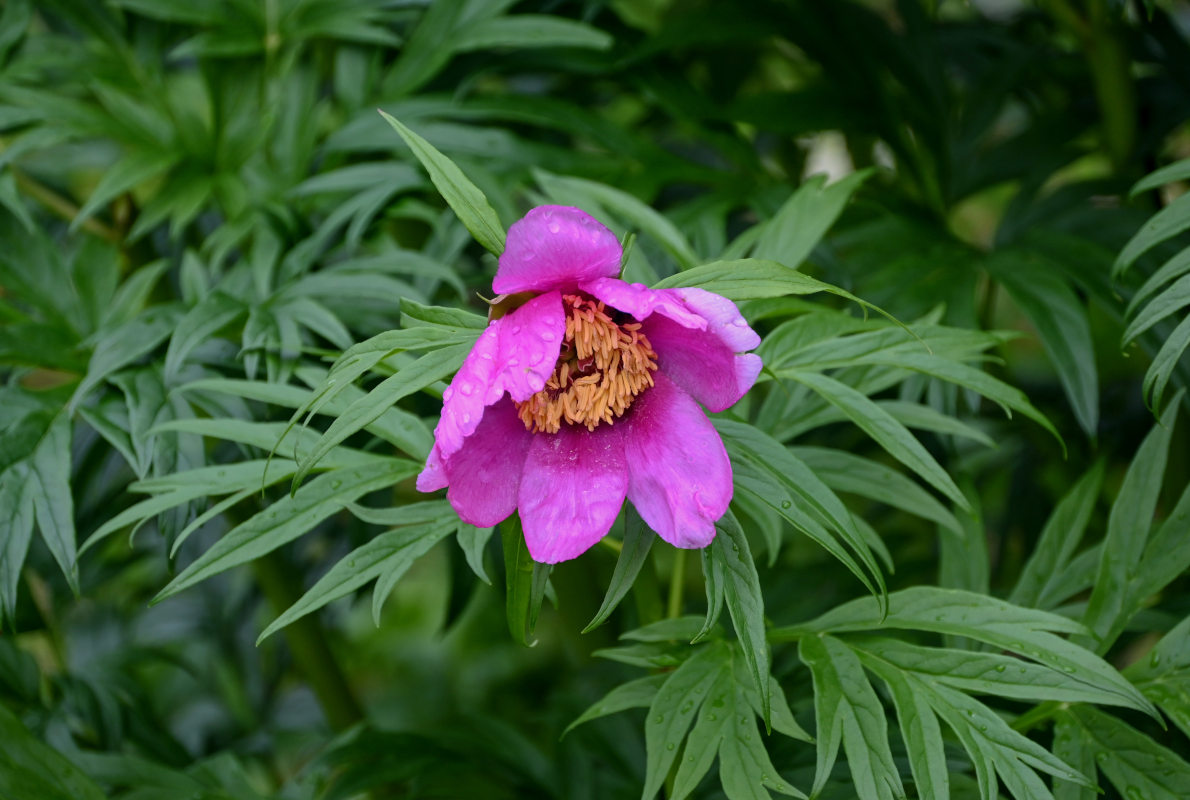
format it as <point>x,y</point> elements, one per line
<point>1135,764</point>
<point>633,694</point>
<point>1059,539</point>
<point>428,369</point>
<point>388,555</point>
<point>714,580</point>
<point>638,540</point>
<point>16,532</point>
<point>672,711</point>
<point>1072,745</point>
<point>894,437</point>
<point>529,30</point>
<point>1164,675</point>
<point>713,721</point>
<point>1177,171</point>
<point>473,542</point>
<point>289,518</point>
<point>1173,299</point>
<point>849,712</point>
<point>805,218</point>
<point>31,769</point>
<point>745,603</point>
<point>519,582</point>
<point>922,735</point>
<point>1166,223</point>
<point>1025,631</point>
<point>1128,527</point>
<point>48,486</point>
<point>468,203</point>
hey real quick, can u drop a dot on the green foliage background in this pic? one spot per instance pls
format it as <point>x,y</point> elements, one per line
<point>231,292</point>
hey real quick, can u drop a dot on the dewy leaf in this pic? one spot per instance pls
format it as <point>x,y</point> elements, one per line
<point>713,579</point>
<point>886,431</point>
<point>464,198</point>
<point>1166,223</point>
<point>1135,764</point>
<point>714,719</point>
<point>672,711</point>
<point>922,735</point>
<point>950,611</point>
<point>289,518</point>
<point>1164,675</point>
<point>848,711</point>
<point>745,603</point>
<point>634,694</point>
<point>805,218</point>
<point>638,540</point>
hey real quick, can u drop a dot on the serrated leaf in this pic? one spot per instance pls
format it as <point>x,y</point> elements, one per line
<point>634,552</point>
<point>467,201</point>
<point>289,518</point>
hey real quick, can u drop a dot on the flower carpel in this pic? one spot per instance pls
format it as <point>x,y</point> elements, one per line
<point>603,365</point>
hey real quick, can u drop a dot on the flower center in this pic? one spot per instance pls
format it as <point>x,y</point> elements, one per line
<point>603,366</point>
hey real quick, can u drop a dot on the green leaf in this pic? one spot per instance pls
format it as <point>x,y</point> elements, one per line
<point>1135,764</point>
<point>1177,171</point>
<point>1164,676</point>
<point>1060,319</point>
<point>805,218</point>
<point>745,603</point>
<point>754,278</point>
<point>388,555</point>
<point>48,487</point>
<point>529,30</point>
<point>922,735</point>
<point>124,344</point>
<point>1059,539</point>
<point>1128,527</point>
<point>32,769</point>
<point>1166,223</point>
<point>473,542</point>
<point>715,716</point>
<point>1171,300</point>
<point>633,694</point>
<point>638,540</point>
<point>214,312</point>
<point>714,580</point>
<point>1164,363</point>
<point>779,479</point>
<point>289,518</point>
<point>847,472</point>
<point>130,171</point>
<point>468,203</point>
<point>16,532</point>
<point>848,711</point>
<point>428,369</point>
<point>524,583</point>
<point>894,437</point>
<point>672,711</point>
<point>1073,746</point>
<point>1025,631</point>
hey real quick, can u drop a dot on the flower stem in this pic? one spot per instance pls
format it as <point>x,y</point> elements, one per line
<point>677,585</point>
<point>308,642</point>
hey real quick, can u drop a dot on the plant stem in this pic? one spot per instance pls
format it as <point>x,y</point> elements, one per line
<point>677,585</point>
<point>62,207</point>
<point>307,641</point>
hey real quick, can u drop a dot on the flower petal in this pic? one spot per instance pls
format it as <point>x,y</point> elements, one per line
<point>556,247</point>
<point>571,491</point>
<point>696,334</point>
<point>516,353</point>
<point>485,474</point>
<point>679,474</point>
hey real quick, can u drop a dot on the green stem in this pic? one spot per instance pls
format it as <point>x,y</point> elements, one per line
<point>308,642</point>
<point>677,585</point>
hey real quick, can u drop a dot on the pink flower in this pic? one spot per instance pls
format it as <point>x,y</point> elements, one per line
<point>584,394</point>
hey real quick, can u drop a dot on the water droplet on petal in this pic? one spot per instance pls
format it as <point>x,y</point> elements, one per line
<point>548,336</point>
<point>553,226</point>
<point>466,418</point>
<point>449,393</point>
<point>465,388</point>
<point>516,328</point>
<point>739,322</point>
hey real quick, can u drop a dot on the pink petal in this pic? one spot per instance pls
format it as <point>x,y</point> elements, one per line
<point>556,247</point>
<point>485,474</point>
<point>696,334</point>
<point>679,475</point>
<point>515,354</point>
<point>571,491</point>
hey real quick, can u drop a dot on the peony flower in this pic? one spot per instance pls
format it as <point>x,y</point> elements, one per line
<point>582,391</point>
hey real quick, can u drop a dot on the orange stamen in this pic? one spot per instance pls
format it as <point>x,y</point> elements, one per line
<point>599,374</point>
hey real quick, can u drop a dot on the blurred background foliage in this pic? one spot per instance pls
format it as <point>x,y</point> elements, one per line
<point>202,209</point>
